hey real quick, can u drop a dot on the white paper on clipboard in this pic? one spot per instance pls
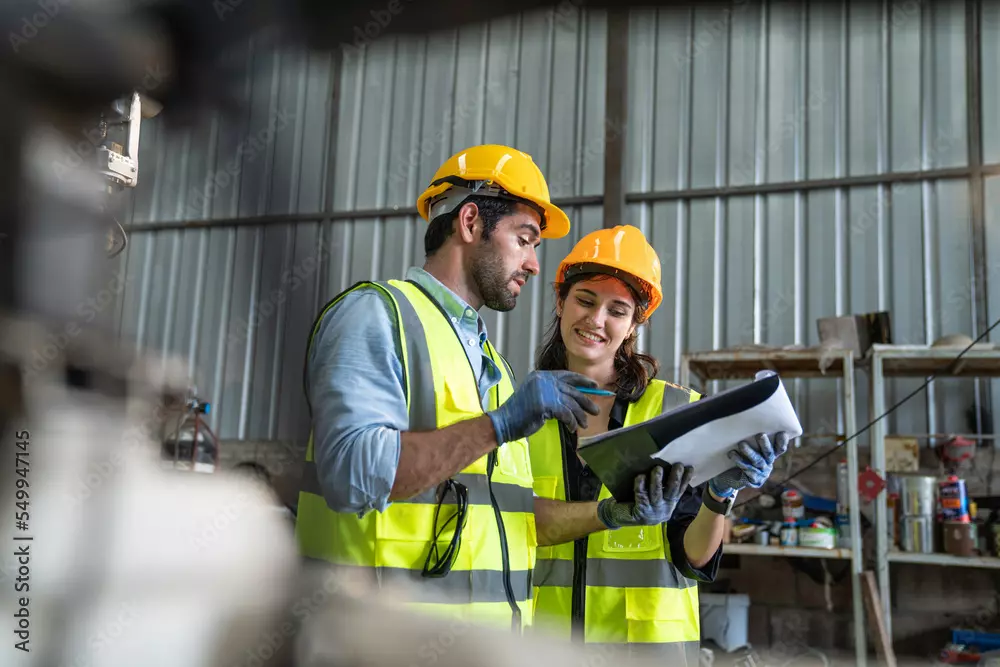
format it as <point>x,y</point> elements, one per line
<point>699,434</point>
<point>706,447</point>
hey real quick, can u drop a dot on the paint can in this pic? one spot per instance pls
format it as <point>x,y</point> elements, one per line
<point>789,533</point>
<point>818,537</point>
<point>917,534</point>
<point>918,495</point>
<point>762,537</point>
<point>953,502</point>
<point>792,504</point>
<point>960,538</point>
<point>843,488</point>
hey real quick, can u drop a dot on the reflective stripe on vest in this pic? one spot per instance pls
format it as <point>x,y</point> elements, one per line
<point>392,546</point>
<point>634,594</point>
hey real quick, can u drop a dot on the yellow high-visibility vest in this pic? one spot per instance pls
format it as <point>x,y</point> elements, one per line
<point>392,546</point>
<point>632,592</point>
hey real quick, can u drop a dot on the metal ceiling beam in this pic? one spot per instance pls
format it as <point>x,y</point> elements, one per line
<point>318,216</point>
<point>812,184</point>
<point>598,200</point>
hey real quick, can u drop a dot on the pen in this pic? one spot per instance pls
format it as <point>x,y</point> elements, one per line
<point>596,392</point>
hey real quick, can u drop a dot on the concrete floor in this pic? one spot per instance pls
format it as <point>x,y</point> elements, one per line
<point>802,657</point>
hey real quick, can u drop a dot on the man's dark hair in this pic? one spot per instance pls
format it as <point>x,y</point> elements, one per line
<point>491,210</point>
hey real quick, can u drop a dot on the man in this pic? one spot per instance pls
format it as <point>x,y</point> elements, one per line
<point>414,411</point>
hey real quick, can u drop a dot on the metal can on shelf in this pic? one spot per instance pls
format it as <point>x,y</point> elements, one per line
<point>792,504</point>
<point>961,538</point>
<point>953,502</point>
<point>917,534</point>
<point>918,495</point>
<point>818,537</point>
<point>789,533</point>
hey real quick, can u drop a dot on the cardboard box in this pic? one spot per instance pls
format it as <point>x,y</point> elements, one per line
<point>855,332</point>
<point>901,454</point>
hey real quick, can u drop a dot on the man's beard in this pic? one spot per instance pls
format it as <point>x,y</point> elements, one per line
<point>492,280</point>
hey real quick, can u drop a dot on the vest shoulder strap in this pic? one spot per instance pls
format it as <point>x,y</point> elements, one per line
<point>421,400</point>
<point>674,395</point>
<point>659,398</point>
<point>491,350</point>
<point>318,320</point>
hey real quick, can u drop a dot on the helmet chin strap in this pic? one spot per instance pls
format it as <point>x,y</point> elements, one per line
<point>455,196</point>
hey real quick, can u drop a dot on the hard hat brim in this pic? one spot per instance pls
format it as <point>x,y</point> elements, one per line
<point>556,221</point>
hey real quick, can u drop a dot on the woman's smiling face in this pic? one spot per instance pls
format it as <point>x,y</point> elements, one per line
<point>596,316</point>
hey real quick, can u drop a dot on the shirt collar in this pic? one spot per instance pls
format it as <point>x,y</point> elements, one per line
<point>457,309</point>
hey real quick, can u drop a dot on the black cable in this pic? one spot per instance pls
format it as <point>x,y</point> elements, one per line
<point>933,376</point>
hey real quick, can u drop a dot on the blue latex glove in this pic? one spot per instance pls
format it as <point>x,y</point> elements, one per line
<point>753,466</point>
<point>654,502</point>
<point>542,396</point>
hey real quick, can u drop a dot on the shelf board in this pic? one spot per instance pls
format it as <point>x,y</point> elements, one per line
<point>922,360</point>
<point>743,364</point>
<point>944,559</point>
<point>798,552</point>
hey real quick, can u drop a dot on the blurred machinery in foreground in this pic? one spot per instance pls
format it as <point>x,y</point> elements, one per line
<point>117,141</point>
<point>124,563</point>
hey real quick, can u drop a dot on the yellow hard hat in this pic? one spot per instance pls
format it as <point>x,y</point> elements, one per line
<point>622,252</point>
<point>494,171</point>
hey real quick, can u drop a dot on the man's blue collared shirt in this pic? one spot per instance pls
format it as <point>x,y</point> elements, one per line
<point>356,387</point>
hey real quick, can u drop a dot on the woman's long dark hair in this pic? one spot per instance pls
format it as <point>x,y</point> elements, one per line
<point>633,370</point>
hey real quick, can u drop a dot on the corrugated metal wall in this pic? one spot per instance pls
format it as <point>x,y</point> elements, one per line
<point>724,96</point>
<point>238,300</point>
<point>765,94</point>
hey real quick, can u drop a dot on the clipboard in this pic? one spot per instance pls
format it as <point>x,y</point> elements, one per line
<point>698,434</point>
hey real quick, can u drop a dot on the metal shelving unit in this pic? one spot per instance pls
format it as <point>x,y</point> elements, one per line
<point>915,361</point>
<point>986,562</point>
<point>797,552</point>
<point>790,364</point>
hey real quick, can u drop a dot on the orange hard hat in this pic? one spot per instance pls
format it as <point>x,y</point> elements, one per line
<point>622,252</point>
<point>497,171</point>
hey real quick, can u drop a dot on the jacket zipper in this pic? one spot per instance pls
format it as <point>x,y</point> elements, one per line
<point>515,621</point>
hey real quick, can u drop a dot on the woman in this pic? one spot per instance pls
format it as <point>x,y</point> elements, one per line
<point>633,584</point>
